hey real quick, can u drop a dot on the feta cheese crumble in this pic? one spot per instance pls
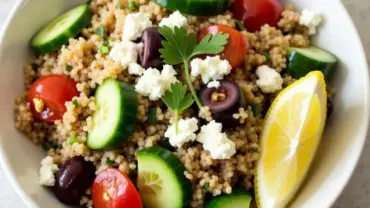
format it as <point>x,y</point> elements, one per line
<point>211,68</point>
<point>186,129</point>
<point>125,52</point>
<point>154,83</point>
<point>214,84</point>
<point>269,81</point>
<point>311,20</point>
<point>216,142</point>
<point>47,170</point>
<point>175,19</point>
<point>135,24</point>
<point>135,69</point>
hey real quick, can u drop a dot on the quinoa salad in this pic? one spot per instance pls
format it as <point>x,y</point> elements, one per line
<point>177,104</point>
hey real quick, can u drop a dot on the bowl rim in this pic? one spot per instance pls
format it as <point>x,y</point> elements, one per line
<point>334,194</point>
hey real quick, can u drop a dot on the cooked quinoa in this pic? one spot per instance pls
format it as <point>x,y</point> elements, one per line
<point>89,68</point>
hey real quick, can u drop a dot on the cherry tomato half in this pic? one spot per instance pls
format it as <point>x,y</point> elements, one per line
<point>256,13</point>
<point>54,91</point>
<point>113,189</point>
<point>237,45</point>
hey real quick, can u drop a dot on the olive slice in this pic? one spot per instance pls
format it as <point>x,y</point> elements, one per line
<point>223,102</point>
<point>150,57</point>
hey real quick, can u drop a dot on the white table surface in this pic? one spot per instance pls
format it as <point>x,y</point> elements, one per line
<point>357,192</point>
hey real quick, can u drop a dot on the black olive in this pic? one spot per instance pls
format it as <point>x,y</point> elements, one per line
<point>150,57</point>
<point>73,179</point>
<point>223,102</point>
<point>330,107</point>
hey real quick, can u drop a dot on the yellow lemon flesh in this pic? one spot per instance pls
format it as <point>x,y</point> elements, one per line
<point>290,137</point>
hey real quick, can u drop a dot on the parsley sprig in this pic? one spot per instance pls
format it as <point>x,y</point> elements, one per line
<point>180,47</point>
<point>177,100</point>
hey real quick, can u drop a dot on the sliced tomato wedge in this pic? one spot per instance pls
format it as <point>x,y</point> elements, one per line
<point>114,189</point>
<point>237,46</point>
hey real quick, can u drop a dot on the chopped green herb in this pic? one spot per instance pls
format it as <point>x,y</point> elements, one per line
<point>60,146</point>
<point>109,162</point>
<point>35,66</point>
<point>206,187</point>
<point>72,139</point>
<point>68,67</point>
<point>119,5</point>
<point>75,102</point>
<point>104,49</point>
<point>240,25</point>
<point>132,6</point>
<point>89,2</point>
<point>110,40</point>
<point>177,100</point>
<point>180,47</point>
<point>101,31</point>
<point>254,149</point>
<point>267,55</point>
<point>47,145</point>
<point>152,116</point>
<point>256,108</point>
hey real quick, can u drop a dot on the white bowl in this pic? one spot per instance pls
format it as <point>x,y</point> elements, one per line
<point>339,151</point>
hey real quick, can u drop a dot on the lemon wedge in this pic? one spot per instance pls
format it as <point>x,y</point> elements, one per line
<point>291,134</point>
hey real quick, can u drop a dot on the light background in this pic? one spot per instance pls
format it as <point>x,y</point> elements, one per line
<point>357,192</point>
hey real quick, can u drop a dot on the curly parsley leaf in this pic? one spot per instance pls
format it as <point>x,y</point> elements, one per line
<point>176,98</point>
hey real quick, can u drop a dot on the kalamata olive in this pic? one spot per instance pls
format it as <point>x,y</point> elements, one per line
<point>330,107</point>
<point>73,179</point>
<point>223,102</point>
<point>150,57</point>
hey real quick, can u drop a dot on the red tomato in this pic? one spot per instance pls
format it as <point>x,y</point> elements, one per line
<point>256,13</point>
<point>54,90</point>
<point>237,45</point>
<point>113,189</point>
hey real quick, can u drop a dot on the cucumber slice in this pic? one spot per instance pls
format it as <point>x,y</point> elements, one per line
<point>161,180</point>
<point>238,199</point>
<point>304,60</point>
<point>195,7</point>
<point>61,29</point>
<point>115,117</point>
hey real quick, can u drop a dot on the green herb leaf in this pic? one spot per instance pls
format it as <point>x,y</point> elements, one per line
<point>119,5</point>
<point>206,187</point>
<point>75,102</point>
<point>256,108</point>
<point>68,67</point>
<point>132,6</point>
<point>101,31</point>
<point>104,49</point>
<point>47,145</point>
<point>178,46</point>
<point>71,140</point>
<point>212,44</point>
<point>109,162</point>
<point>267,55</point>
<point>240,25</point>
<point>176,98</point>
